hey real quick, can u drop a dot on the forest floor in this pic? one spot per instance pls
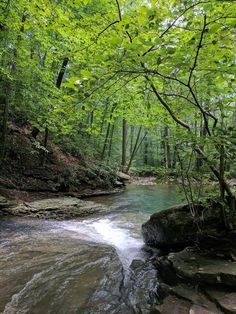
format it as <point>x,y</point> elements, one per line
<point>24,176</point>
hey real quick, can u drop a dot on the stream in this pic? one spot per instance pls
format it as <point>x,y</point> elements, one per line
<point>93,265</point>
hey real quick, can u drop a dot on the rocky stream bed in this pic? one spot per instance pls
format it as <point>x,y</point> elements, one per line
<point>93,259</point>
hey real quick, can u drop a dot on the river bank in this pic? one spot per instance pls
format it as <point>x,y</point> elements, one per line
<point>197,261</point>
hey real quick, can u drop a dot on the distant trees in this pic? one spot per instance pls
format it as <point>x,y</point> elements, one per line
<point>146,83</point>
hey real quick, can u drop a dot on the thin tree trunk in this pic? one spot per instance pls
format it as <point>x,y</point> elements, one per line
<point>62,72</point>
<point>107,133</point>
<point>106,141</point>
<point>124,145</point>
<point>131,138</point>
<point>166,148</point>
<point>58,85</point>
<point>145,151</point>
<point>4,124</point>
<point>135,148</point>
<point>110,142</point>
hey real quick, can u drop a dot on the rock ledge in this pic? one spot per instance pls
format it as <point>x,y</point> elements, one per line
<point>55,208</point>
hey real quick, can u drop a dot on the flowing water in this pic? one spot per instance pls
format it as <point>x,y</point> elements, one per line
<point>94,265</point>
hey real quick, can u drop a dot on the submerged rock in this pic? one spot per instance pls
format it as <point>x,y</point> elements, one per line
<point>176,227</point>
<point>55,208</point>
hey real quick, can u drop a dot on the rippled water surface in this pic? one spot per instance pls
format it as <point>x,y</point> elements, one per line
<point>95,265</point>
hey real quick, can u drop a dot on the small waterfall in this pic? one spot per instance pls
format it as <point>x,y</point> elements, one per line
<point>107,231</point>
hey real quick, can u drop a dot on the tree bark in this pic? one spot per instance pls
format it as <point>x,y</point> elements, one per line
<point>62,72</point>
<point>110,142</point>
<point>106,141</point>
<point>166,145</point>
<point>135,149</point>
<point>145,152</point>
<point>124,145</point>
<point>4,123</point>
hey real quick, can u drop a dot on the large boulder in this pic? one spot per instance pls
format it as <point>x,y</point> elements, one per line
<point>177,227</point>
<point>123,177</point>
<point>55,208</point>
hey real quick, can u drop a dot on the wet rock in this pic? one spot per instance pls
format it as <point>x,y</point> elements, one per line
<point>203,269</point>
<point>200,302</point>
<point>140,286</point>
<point>225,300</point>
<point>59,274</point>
<point>56,208</point>
<point>166,271</point>
<point>185,297</point>
<point>163,290</point>
<point>198,309</point>
<point>172,304</point>
<point>176,227</point>
<point>207,283</point>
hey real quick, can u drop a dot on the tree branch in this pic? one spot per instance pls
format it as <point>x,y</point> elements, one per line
<point>198,50</point>
<point>173,23</point>
<point>120,17</point>
<point>99,34</point>
<point>153,72</point>
<point>196,149</point>
<point>166,105</point>
<point>119,11</point>
<point>193,103</point>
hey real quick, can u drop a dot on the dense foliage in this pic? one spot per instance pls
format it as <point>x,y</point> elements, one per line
<point>159,73</point>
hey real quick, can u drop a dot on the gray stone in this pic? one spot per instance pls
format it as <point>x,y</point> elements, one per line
<point>202,269</point>
<point>56,208</point>
<point>225,300</point>
<point>172,304</point>
<point>176,227</point>
<point>123,176</point>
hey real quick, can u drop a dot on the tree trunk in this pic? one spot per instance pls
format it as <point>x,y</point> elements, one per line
<point>110,142</point>
<point>166,145</point>
<point>45,144</point>
<point>124,145</point>
<point>135,149</point>
<point>62,72</point>
<point>145,151</point>
<point>58,85</point>
<point>106,141</point>
<point>4,123</point>
<point>131,139</point>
